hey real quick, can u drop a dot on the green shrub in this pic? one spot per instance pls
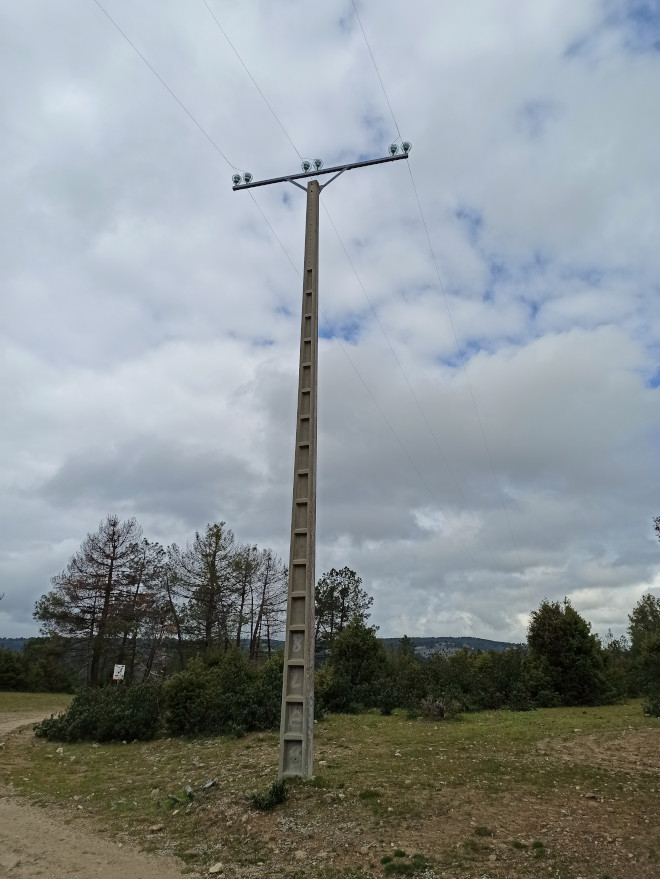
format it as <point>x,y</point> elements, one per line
<point>651,704</point>
<point>276,794</point>
<point>443,708</point>
<point>224,695</point>
<point>108,714</point>
<point>356,668</point>
<point>12,672</point>
<point>520,699</point>
<point>548,699</point>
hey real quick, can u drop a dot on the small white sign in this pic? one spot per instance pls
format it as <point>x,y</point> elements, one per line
<point>118,674</point>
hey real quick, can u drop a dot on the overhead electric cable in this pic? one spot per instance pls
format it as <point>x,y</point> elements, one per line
<point>236,168</point>
<point>350,261</point>
<point>165,85</point>
<point>357,15</point>
<point>406,379</point>
<point>356,370</point>
<point>465,372</point>
<point>451,320</point>
<point>256,85</point>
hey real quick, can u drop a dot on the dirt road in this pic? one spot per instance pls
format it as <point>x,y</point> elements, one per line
<point>12,720</point>
<point>37,842</point>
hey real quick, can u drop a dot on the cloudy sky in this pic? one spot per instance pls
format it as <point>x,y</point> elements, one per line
<point>489,417</point>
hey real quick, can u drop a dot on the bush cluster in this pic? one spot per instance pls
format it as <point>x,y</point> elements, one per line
<point>224,693</point>
<point>563,664</point>
<point>112,713</point>
<point>219,694</point>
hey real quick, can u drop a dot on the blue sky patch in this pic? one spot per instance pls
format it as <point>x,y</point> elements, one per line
<point>640,22</point>
<point>637,20</point>
<point>347,331</point>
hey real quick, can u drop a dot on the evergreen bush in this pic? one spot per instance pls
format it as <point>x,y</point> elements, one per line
<point>651,704</point>
<point>224,694</point>
<point>112,713</point>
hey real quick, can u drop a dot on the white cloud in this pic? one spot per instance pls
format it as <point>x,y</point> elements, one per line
<point>150,319</point>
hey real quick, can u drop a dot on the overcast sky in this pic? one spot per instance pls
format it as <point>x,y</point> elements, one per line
<point>150,318</point>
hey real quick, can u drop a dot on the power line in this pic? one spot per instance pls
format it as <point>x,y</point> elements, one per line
<point>231,165</point>
<point>277,119</point>
<point>357,15</point>
<point>465,372</point>
<point>451,320</point>
<point>275,235</point>
<point>165,85</point>
<point>398,362</point>
<point>356,370</point>
<point>405,376</point>
<point>254,82</point>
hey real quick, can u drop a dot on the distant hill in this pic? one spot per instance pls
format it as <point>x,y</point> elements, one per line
<point>16,644</point>
<point>424,647</point>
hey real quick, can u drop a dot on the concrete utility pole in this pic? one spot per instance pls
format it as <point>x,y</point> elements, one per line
<point>297,723</point>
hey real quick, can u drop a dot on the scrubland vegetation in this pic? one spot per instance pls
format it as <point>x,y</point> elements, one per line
<point>540,756</point>
<point>565,791</point>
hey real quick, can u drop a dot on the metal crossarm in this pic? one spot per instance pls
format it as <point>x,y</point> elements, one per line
<point>338,169</point>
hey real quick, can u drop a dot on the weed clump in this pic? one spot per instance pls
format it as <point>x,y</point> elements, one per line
<point>401,865</point>
<point>539,849</point>
<point>444,708</point>
<point>276,794</point>
<point>651,704</point>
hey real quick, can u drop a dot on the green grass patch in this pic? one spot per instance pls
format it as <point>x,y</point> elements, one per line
<point>49,703</point>
<point>386,779</point>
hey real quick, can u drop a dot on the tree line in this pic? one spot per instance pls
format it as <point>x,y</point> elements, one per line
<point>123,599</point>
<point>562,664</point>
<point>162,611</point>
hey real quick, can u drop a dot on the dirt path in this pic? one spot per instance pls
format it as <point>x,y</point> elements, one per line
<point>12,720</point>
<point>37,842</point>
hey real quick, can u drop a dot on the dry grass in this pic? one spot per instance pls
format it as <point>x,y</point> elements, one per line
<point>557,792</point>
